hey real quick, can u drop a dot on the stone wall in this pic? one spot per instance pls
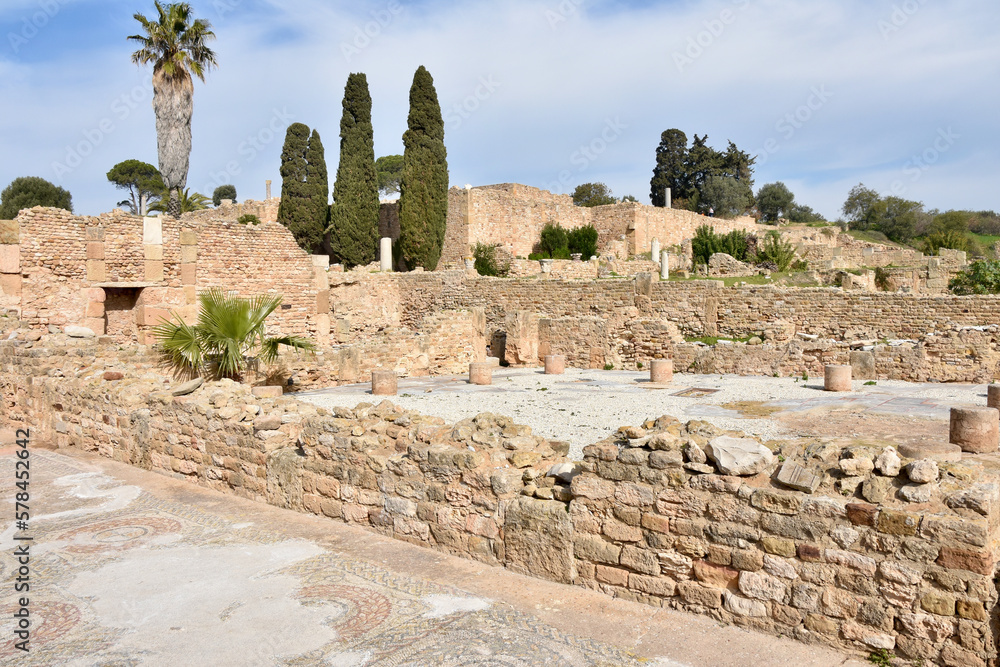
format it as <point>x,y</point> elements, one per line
<point>513,215</point>
<point>266,211</point>
<point>120,274</point>
<point>852,547</point>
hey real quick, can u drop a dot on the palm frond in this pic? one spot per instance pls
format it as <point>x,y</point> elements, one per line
<point>180,342</point>
<point>270,346</point>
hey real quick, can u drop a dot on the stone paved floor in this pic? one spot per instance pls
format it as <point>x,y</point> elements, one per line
<point>132,568</point>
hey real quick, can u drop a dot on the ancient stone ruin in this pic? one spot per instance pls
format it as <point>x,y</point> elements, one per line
<point>863,548</point>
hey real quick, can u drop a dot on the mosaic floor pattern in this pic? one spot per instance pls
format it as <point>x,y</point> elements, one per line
<point>122,578</point>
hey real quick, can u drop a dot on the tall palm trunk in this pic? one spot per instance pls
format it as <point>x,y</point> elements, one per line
<point>173,104</point>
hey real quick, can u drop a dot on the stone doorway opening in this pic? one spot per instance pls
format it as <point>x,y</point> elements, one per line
<point>120,313</point>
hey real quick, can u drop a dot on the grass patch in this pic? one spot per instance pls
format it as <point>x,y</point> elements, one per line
<point>752,408</point>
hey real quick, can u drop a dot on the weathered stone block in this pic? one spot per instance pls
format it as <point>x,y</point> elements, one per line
<point>153,271</point>
<point>898,523</point>
<point>95,234</point>
<point>9,232</point>
<point>152,231</point>
<point>95,309</point>
<point>10,284</point>
<point>153,252</point>
<point>776,501</point>
<point>10,259</point>
<point>980,562</point>
<point>189,254</point>
<point>95,324</point>
<point>938,603</point>
<point>96,271</point>
<point>611,575</point>
<point>323,301</point>
<point>189,274</point>
<point>188,237</point>
<point>538,536</point>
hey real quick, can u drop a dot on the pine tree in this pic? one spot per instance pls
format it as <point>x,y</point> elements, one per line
<point>423,202</point>
<point>354,215</point>
<point>318,183</point>
<point>294,212</point>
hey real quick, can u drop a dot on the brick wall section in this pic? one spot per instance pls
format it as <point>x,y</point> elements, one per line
<point>633,523</point>
<point>62,258</point>
<point>266,211</point>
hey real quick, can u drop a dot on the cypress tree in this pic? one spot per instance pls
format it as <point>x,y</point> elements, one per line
<point>423,202</point>
<point>318,183</point>
<point>295,210</point>
<point>354,215</point>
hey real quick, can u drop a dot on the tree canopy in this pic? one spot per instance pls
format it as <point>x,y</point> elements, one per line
<point>687,170</point>
<point>593,194</point>
<point>224,192</point>
<point>141,180</point>
<point>31,191</point>
<point>389,169</point>
<point>299,209</point>
<point>893,216</point>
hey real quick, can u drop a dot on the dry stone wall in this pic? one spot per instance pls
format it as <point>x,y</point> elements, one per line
<point>855,547</point>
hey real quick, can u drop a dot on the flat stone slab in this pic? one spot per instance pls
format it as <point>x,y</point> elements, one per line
<point>187,387</point>
<point>739,456</point>
<point>796,477</point>
<point>80,332</point>
<point>936,451</point>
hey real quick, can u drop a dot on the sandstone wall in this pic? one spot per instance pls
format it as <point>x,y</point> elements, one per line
<point>857,553</point>
<point>266,211</point>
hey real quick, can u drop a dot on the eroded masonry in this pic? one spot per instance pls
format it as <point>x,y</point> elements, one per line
<point>861,547</point>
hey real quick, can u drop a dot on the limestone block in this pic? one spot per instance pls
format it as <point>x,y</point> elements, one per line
<point>189,274</point>
<point>152,231</point>
<point>188,237</point>
<point>795,476</point>
<point>975,430</point>
<point>538,536</point>
<point>480,373</point>
<point>96,271</point>
<point>323,301</point>
<point>888,462</point>
<point>80,332</point>
<point>863,365</point>
<point>10,259</point>
<point>993,396</point>
<point>95,324</point>
<point>937,451</point>
<point>384,383</point>
<point>522,338</point>
<point>272,391</point>
<point>154,271</point>
<point>661,371</point>
<point>837,378</point>
<point>9,232</point>
<point>190,294</point>
<point>95,309</point>
<point>555,364</point>
<point>739,456</point>
<point>10,284</point>
<point>153,252</point>
<point>95,234</point>
<point>189,254</point>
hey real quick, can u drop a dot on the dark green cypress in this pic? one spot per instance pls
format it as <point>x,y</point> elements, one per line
<point>295,210</point>
<point>423,202</point>
<point>318,183</point>
<point>354,215</point>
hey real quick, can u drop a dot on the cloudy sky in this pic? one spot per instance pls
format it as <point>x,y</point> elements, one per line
<point>899,94</point>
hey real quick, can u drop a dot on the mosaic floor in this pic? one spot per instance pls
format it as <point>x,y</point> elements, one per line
<point>122,578</point>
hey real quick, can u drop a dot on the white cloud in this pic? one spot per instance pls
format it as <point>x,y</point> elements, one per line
<point>554,88</point>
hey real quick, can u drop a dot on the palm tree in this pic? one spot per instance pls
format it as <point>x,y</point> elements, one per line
<point>187,202</point>
<point>230,337</point>
<point>176,46</point>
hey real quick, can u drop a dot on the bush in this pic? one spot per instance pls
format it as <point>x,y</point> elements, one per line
<point>31,191</point>
<point>224,192</point>
<point>553,238</point>
<point>561,253</point>
<point>776,250</point>
<point>583,240</point>
<point>487,263</point>
<point>982,277</point>
<point>737,243</point>
<point>249,219</point>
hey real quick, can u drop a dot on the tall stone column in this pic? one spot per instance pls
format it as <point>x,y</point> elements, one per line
<point>385,255</point>
<point>267,185</point>
<point>655,250</point>
<point>321,280</point>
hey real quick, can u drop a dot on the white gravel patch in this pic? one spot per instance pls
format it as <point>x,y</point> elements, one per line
<point>586,406</point>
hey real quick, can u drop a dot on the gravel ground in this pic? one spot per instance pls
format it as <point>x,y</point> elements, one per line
<point>585,406</point>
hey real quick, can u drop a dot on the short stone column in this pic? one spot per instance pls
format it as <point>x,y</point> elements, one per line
<point>661,371</point>
<point>655,248</point>
<point>664,265</point>
<point>975,430</point>
<point>546,265</point>
<point>837,378</point>
<point>555,364</point>
<point>385,255</point>
<point>993,396</point>
<point>480,372</point>
<point>384,383</point>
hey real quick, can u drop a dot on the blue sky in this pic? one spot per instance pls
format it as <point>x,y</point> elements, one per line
<point>900,95</point>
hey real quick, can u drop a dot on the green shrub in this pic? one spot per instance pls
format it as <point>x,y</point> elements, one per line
<point>248,219</point>
<point>583,240</point>
<point>553,239</point>
<point>487,263</point>
<point>561,253</point>
<point>737,243</point>
<point>535,256</point>
<point>776,250</point>
<point>982,277</point>
<point>224,192</point>
<point>31,191</point>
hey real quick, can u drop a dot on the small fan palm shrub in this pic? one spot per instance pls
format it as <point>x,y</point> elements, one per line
<point>229,339</point>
